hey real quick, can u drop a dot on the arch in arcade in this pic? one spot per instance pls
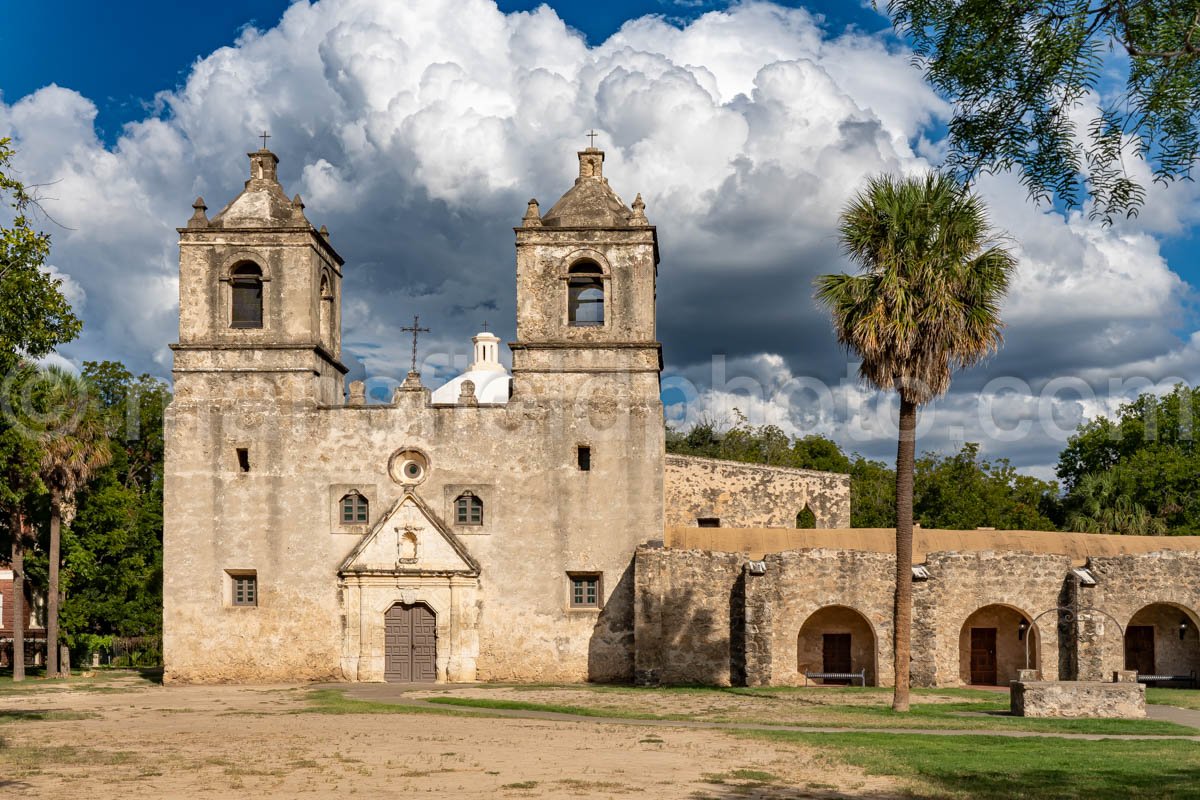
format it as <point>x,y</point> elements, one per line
<point>995,642</point>
<point>838,639</point>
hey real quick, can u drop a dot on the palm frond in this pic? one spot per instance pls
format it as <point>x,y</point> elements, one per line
<point>932,274</point>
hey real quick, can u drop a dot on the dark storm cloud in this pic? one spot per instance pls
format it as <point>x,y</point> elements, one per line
<point>417,132</point>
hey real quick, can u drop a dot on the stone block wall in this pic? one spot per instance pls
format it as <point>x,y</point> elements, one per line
<point>724,618</point>
<point>1092,699</point>
<point>751,495</point>
<point>685,613</point>
<point>1160,589</point>
<point>962,584</point>
<point>804,594</point>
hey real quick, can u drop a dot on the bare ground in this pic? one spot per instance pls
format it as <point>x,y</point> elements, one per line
<point>147,741</point>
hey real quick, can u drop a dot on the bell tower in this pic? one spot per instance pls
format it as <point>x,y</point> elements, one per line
<point>259,299</point>
<point>586,274</point>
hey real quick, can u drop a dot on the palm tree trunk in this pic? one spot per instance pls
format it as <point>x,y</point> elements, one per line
<point>18,568</point>
<point>902,610</point>
<point>52,667</point>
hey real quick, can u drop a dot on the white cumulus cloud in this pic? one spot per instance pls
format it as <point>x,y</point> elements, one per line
<point>416,131</point>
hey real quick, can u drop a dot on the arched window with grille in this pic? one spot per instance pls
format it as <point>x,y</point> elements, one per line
<point>355,509</point>
<point>246,284</point>
<point>468,509</point>
<point>585,295</point>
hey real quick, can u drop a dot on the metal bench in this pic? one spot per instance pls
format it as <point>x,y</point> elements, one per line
<point>1191,678</point>
<point>860,676</point>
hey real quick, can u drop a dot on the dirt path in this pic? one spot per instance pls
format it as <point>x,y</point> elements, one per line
<point>206,741</point>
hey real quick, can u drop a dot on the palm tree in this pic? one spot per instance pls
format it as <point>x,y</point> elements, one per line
<point>74,446</point>
<point>1100,507</point>
<point>926,300</point>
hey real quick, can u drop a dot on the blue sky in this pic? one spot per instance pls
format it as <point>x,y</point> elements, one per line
<point>417,131</point>
<point>121,54</point>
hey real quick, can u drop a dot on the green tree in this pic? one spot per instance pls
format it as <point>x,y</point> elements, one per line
<point>35,317</point>
<point>927,300</point>
<point>1099,506</point>
<point>74,446</point>
<point>1017,70</point>
<point>20,486</point>
<point>964,491</point>
<point>817,452</point>
<point>112,550</point>
<point>765,444</point>
<point>1146,461</point>
<point>872,494</point>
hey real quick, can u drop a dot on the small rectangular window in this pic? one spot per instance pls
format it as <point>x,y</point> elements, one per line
<point>245,589</point>
<point>708,522</point>
<point>585,589</point>
<point>585,458</point>
<point>354,509</point>
<point>468,509</point>
<point>243,457</point>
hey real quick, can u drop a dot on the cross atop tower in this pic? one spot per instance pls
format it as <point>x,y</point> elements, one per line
<point>592,136</point>
<point>415,329</point>
<point>264,136</point>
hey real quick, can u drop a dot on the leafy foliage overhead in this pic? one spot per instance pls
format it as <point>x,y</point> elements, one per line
<point>34,315</point>
<point>1018,72</point>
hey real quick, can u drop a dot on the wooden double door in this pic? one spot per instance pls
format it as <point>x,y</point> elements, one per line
<point>410,644</point>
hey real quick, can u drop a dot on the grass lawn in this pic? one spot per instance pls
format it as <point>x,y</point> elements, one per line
<point>992,768</point>
<point>333,701</point>
<point>946,709</point>
<point>1180,698</point>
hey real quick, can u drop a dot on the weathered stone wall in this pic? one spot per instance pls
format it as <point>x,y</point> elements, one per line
<point>959,585</point>
<point>276,391</point>
<point>544,517</point>
<point>1092,699</point>
<point>813,592</point>
<point>720,617</point>
<point>751,495</point>
<point>687,613</point>
<point>1168,582</point>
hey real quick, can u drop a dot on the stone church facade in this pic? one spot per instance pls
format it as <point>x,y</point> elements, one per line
<point>482,531</point>
<point>527,525</point>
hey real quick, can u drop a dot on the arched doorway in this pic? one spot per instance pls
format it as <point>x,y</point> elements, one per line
<point>1162,639</point>
<point>836,639</point>
<point>409,644</point>
<point>992,646</point>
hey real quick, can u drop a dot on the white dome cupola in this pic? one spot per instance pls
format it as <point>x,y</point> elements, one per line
<point>490,382</point>
<point>487,353</point>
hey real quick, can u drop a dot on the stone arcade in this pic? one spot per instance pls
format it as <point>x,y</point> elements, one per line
<point>528,526</point>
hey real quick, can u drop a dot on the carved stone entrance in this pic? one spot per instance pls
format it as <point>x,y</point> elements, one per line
<point>410,644</point>
<point>410,591</point>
